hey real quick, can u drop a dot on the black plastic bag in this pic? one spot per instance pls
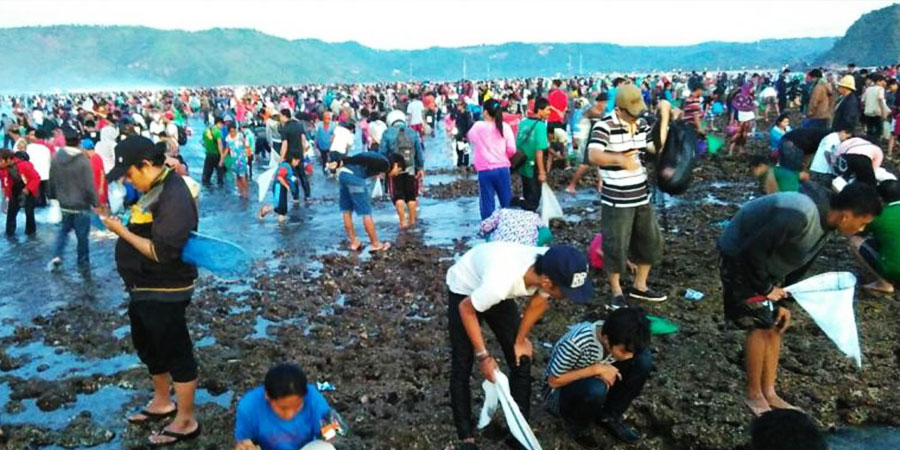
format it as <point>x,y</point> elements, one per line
<point>675,164</point>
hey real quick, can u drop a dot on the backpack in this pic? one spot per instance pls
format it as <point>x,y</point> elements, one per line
<point>182,135</point>
<point>405,146</point>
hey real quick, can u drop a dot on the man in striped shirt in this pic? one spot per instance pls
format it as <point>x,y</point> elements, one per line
<point>628,222</point>
<point>596,370</point>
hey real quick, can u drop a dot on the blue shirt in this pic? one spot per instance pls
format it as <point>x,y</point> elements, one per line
<point>257,422</point>
<point>775,137</point>
<point>323,136</point>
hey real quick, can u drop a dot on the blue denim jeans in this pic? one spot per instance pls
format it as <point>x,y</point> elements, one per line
<point>81,223</point>
<point>490,183</point>
<point>589,398</point>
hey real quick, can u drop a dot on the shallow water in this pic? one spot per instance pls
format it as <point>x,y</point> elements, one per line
<point>865,438</point>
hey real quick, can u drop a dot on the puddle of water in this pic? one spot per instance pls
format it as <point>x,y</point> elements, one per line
<point>61,364</point>
<point>234,310</point>
<point>121,332</point>
<point>205,342</point>
<point>261,328</point>
<point>865,438</point>
<point>105,407</point>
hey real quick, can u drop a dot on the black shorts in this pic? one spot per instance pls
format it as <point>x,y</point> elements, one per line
<point>404,187</point>
<point>160,336</point>
<point>736,292</point>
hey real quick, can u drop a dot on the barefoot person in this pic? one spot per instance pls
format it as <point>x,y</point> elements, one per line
<point>404,187</point>
<point>483,286</point>
<point>770,243</point>
<point>159,283</point>
<point>354,194</point>
<point>879,255</point>
<point>285,182</point>
<point>286,413</point>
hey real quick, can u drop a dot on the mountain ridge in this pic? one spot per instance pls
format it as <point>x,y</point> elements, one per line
<point>78,57</point>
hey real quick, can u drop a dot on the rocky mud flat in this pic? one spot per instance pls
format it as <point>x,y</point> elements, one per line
<point>375,327</point>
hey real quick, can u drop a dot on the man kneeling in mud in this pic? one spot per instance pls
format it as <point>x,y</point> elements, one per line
<point>771,242</point>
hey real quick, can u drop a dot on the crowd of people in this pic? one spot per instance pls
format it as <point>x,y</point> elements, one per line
<point>112,161</point>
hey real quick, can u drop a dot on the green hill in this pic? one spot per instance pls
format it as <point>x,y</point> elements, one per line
<point>873,40</point>
<point>91,57</point>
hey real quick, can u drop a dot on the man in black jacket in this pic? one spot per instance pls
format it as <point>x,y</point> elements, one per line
<point>159,283</point>
<point>846,110</point>
<point>771,242</point>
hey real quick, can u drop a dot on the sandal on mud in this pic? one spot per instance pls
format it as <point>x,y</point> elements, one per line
<point>178,437</point>
<point>357,246</point>
<point>152,416</point>
<point>385,246</point>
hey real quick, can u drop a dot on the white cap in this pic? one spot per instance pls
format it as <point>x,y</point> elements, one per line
<point>395,116</point>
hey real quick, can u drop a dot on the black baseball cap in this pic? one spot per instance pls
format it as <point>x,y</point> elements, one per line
<point>131,152</point>
<point>567,267</point>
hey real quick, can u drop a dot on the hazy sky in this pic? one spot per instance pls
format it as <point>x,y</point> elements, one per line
<point>409,24</point>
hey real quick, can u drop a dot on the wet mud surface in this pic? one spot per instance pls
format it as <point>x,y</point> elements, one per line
<point>375,327</point>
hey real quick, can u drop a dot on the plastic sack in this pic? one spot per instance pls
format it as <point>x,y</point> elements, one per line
<point>718,108</point>
<point>658,325</point>
<point>675,165</point>
<point>828,299</point>
<point>713,144</point>
<point>264,182</point>
<point>545,236</point>
<point>498,393</point>
<point>550,208</point>
<point>54,213</point>
<point>223,258</point>
<point>116,197</point>
<point>595,257</point>
<point>378,189</point>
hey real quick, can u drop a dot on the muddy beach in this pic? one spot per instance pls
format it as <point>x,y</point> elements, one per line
<point>375,328</point>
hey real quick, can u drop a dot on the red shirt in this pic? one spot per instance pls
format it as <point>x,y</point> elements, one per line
<point>558,100</point>
<point>99,178</point>
<point>30,177</point>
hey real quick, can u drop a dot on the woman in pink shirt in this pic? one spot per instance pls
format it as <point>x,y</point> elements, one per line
<point>493,143</point>
<point>859,158</point>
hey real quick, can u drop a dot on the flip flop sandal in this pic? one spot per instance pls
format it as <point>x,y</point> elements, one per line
<point>384,247</point>
<point>152,416</point>
<point>179,437</point>
<point>358,247</point>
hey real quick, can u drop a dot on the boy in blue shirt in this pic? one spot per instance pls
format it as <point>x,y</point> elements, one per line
<point>286,413</point>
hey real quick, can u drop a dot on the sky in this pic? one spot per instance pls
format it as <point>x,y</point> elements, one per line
<point>415,24</point>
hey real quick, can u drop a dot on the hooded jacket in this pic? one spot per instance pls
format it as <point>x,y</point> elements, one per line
<point>72,180</point>
<point>106,148</point>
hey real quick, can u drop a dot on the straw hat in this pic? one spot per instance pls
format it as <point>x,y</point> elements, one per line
<point>848,82</point>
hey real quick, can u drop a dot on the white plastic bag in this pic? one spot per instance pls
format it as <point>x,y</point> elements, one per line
<point>828,299</point>
<point>116,197</point>
<point>550,208</point>
<point>54,213</point>
<point>498,392</point>
<point>264,180</point>
<point>378,189</point>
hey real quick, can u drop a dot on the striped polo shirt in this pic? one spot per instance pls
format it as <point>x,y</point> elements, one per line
<point>577,349</point>
<point>621,188</point>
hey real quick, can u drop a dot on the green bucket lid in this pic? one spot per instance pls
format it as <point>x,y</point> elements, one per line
<point>658,325</point>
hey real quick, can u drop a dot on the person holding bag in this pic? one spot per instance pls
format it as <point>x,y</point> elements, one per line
<point>532,143</point>
<point>493,143</point>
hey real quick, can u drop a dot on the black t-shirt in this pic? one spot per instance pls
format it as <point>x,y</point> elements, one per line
<point>807,139</point>
<point>291,133</point>
<point>173,216</point>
